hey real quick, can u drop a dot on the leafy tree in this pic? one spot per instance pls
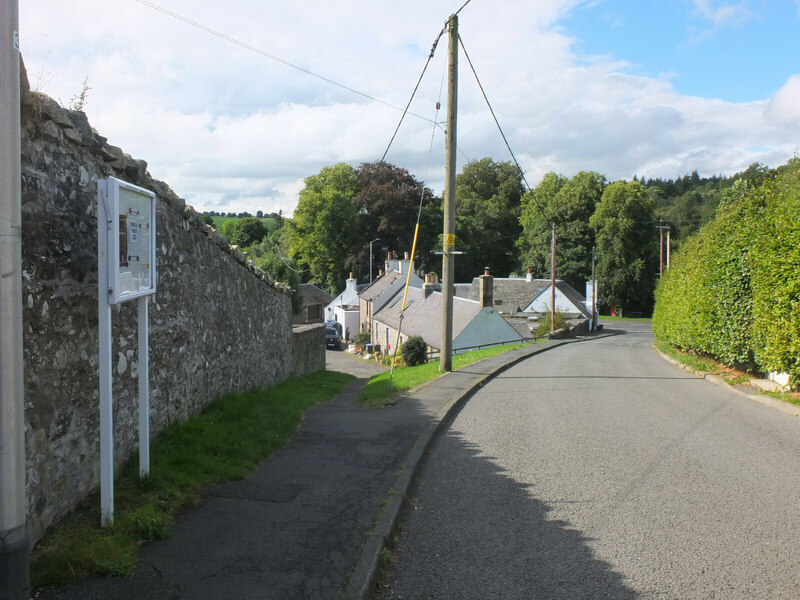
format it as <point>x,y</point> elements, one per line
<point>488,208</point>
<point>246,232</point>
<point>324,227</point>
<point>626,242</point>
<point>226,229</point>
<point>279,267</point>
<point>569,203</point>
<point>388,205</point>
<point>260,214</point>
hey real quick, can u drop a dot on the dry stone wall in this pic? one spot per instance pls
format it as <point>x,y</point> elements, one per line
<point>217,325</point>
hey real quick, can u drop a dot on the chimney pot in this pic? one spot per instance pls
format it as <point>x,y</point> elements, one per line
<point>486,292</point>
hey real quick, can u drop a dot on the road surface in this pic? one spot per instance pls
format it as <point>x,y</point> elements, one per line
<point>599,470</point>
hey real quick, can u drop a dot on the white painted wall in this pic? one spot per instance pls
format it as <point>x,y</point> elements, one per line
<point>541,303</point>
<point>348,319</point>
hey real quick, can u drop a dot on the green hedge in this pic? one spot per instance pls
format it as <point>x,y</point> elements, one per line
<point>733,290</point>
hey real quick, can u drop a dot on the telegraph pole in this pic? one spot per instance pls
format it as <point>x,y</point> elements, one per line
<point>661,228</point>
<point>448,256</point>
<point>594,293</point>
<point>553,280</point>
<point>14,554</point>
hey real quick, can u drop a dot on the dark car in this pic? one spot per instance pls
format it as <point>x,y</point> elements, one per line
<point>332,339</point>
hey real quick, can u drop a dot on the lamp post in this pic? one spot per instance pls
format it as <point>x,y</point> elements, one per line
<point>370,257</point>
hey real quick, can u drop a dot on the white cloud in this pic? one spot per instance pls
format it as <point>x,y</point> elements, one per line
<point>231,130</point>
<point>722,13</point>
<point>784,107</point>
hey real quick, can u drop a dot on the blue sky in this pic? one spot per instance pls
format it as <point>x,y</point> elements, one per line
<point>735,51</point>
<point>652,88</point>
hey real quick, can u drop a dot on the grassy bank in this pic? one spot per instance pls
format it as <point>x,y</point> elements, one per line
<point>376,394</point>
<point>707,364</point>
<point>224,443</point>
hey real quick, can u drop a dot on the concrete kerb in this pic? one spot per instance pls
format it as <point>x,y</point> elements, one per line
<point>784,407</point>
<point>363,577</point>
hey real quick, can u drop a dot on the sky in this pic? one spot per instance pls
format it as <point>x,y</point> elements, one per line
<point>653,88</point>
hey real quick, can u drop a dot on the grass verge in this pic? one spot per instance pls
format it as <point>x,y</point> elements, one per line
<point>224,443</point>
<point>731,375</point>
<point>375,394</point>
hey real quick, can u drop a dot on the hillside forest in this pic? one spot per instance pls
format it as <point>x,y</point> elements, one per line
<point>499,225</point>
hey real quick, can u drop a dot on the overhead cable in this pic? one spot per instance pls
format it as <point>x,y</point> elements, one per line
<point>260,52</point>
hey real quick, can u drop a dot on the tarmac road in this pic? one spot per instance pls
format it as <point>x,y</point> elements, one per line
<point>599,470</point>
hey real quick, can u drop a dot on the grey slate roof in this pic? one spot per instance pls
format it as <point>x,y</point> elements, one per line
<point>377,287</point>
<point>424,317</point>
<point>511,295</point>
<point>311,294</point>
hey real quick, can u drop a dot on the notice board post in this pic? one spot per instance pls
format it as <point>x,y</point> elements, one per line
<point>126,251</point>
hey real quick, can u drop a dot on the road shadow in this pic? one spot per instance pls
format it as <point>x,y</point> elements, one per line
<point>471,531</point>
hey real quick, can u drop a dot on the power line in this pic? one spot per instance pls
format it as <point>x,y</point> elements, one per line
<point>491,110</point>
<point>260,52</point>
<point>536,203</point>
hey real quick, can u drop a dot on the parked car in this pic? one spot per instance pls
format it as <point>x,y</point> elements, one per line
<point>332,338</point>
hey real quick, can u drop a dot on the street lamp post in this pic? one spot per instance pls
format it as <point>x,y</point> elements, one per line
<point>370,257</point>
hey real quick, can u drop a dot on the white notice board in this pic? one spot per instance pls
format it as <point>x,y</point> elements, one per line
<point>131,212</point>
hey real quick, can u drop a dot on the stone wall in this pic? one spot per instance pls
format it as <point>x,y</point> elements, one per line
<point>308,351</point>
<point>217,325</point>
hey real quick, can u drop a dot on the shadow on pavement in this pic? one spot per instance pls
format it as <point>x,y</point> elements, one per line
<point>470,531</point>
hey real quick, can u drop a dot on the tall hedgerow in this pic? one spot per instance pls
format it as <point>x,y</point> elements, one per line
<point>733,290</point>
<point>776,279</point>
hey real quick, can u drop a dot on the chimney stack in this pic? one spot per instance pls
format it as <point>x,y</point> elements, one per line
<point>350,284</point>
<point>529,275</point>
<point>431,285</point>
<point>486,289</point>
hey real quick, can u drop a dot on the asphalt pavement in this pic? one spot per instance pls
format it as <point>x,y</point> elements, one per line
<point>311,522</point>
<point>601,470</point>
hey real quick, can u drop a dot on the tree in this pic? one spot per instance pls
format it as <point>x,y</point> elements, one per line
<point>387,209</point>
<point>281,268</point>
<point>324,226</point>
<point>246,231</point>
<point>488,208</point>
<point>569,203</point>
<point>625,234</point>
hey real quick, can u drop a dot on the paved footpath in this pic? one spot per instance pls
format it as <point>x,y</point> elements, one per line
<point>311,521</point>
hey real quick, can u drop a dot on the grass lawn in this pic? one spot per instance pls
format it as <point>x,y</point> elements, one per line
<point>224,443</point>
<point>375,394</point>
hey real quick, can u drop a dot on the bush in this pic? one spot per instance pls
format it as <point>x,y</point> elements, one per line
<point>544,325</point>
<point>362,339</point>
<point>414,351</point>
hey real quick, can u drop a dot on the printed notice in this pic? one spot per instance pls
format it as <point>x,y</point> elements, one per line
<point>135,222</point>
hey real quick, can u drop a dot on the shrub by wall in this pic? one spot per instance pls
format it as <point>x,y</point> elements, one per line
<point>733,290</point>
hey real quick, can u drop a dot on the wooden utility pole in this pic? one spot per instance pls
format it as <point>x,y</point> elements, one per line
<point>661,228</point>
<point>448,257</point>
<point>553,280</point>
<point>594,294</point>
